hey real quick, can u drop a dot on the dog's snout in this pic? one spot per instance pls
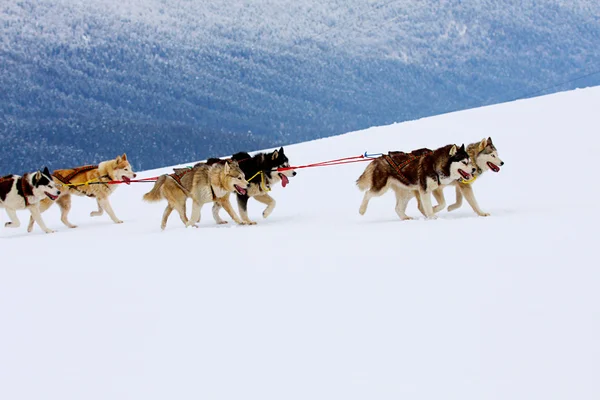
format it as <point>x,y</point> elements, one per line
<point>58,192</point>
<point>134,175</point>
<point>501,163</point>
<point>294,173</point>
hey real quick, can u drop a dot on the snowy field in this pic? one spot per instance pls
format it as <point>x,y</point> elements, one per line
<point>317,302</point>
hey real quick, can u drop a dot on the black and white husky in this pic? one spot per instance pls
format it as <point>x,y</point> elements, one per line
<point>25,192</point>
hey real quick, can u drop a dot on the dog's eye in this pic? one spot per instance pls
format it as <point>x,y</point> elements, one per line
<point>493,155</point>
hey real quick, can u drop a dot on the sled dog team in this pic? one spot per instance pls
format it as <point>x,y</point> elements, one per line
<point>419,173</point>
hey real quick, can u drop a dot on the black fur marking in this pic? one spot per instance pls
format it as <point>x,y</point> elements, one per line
<point>242,201</point>
<point>6,184</point>
<point>43,181</point>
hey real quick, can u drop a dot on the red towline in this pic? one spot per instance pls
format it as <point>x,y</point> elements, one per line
<point>337,161</point>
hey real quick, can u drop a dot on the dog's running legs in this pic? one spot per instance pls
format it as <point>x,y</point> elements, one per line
<point>37,216</point>
<point>215,212</point>
<point>195,217</point>
<point>402,198</point>
<point>99,212</point>
<point>269,201</point>
<point>441,200</point>
<point>64,202</point>
<point>227,206</point>
<point>165,217</point>
<point>426,202</point>
<point>363,206</point>
<point>467,191</point>
<point>42,206</point>
<point>459,199</point>
<point>14,220</point>
<point>105,204</point>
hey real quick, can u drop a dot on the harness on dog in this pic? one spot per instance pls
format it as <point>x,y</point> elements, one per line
<point>177,176</point>
<point>263,186</point>
<point>399,167</point>
<point>66,180</point>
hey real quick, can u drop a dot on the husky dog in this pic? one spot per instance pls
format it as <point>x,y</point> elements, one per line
<point>261,172</point>
<point>26,192</point>
<point>421,171</point>
<point>73,182</point>
<point>485,156</point>
<point>203,184</point>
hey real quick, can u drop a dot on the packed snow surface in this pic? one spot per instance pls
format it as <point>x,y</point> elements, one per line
<point>318,302</point>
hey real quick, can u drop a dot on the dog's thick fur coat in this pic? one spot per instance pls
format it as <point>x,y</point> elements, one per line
<point>26,192</point>
<point>72,182</point>
<point>203,184</point>
<point>485,157</point>
<point>419,172</point>
<point>261,172</point>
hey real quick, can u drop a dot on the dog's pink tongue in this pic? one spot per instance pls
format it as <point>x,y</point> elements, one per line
<point>126,180</point>
<point>284,180</point>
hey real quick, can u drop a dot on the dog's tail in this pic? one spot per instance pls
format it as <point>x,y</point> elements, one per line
<point>365,180</point>
<point>156,194</point>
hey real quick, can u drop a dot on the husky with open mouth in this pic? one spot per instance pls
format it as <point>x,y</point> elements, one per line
<point>90,181</point>
<point>262,173</point>
<point>485,156</point>
<point>419,173</point>
<point>26,192</point>
<point>203,184</point>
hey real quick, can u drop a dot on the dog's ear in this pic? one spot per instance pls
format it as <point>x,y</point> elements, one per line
<point>275,155</point>
<point>453,150</point>
<point>36,177</point>
<point>46,171</point>
<point>482,144</point>
<point>124,157</point>
<point>118,159</point>
<point>281,150</point>
<point>462,148</point>
<point>489,142</point>
<point>226,168</point>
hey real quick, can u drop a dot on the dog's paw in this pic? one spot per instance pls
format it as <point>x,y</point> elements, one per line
<point>250,223</point>
<point>407,218</point>
<point>432,217</point>
<point>8,225</point>
<point>50,231</point>
<point>191,224</point>
<point>483,214</point>
<point>452,207</point>
<point>96,213</point>
<point>222,222</point>
<point>118,221</point>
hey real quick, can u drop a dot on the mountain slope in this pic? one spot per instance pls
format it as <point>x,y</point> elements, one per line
<point>172,81</point>
<point>319,302</point>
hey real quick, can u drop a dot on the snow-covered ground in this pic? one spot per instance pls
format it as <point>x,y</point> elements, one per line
<point>317,302</point>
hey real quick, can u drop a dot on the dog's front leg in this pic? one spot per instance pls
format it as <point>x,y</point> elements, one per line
<point>215,211</point>
<point>195,217</point>
<point>105,204</point>
<point>227,206</point>
<point>14,220</point>
<point>37,216</point>
<point>99,212</point>
<point>426,202</point>
<point>459,199</point>
<point>439,197</point>
<point>242,202</point>
<point>269,201</point>
<point>402,199</point>
<point>467,191</point>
